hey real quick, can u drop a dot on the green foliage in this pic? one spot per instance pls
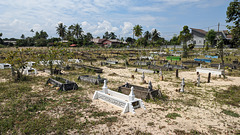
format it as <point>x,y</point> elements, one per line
<point>173,115</point>
<point>184,36</point>
<point>230,113</point>
<point>210,36</point>
<point>61,30</point>
<point>234,16</point>
<point>137,30</point>
<point>41,42</point>
<point>229,97</point>
<point>155,35</point>
<point>174,40</point>
<point>191,46</point>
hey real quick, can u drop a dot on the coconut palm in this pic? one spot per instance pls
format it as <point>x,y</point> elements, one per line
<point>77,30</point>
<point>147,35</point>
<point>61,30</point>
<point>155,35</point>
<point>137,30</point>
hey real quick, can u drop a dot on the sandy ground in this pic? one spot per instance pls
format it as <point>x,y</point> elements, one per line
<point>204,116</point>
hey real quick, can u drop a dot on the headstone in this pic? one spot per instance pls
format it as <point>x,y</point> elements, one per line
<point>219,67</point>
<point>182,85</point>
<point>198,80</point>
<point>150,86</point>
<point>160,75</point>
<point>131,95</point>
<point>105,89</point>
<point>143,77</point>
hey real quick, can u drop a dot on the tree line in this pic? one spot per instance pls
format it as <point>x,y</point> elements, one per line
<point>75,35</point>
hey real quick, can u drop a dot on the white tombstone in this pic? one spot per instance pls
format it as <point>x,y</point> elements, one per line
<point>160,72</point>
<point>29,71</point>
<point>127,102</point>
<point>5,65</point>
<point>131,95</point>
<point>219,67</point>
<point>105,89</point>
<point>182,85</point>
<point>200,65</point>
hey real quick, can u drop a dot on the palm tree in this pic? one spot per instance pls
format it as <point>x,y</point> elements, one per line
<point>61,30</point>
<point>147,35</point>
<point>77,30</point>
<point>137,30</point>
<point>155,35</point>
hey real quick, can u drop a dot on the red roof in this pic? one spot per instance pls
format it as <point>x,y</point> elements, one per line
<point>73,45</point>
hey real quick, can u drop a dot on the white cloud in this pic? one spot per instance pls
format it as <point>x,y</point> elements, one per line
<point>126,28</point>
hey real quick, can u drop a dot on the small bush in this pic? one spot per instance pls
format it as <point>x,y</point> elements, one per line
<point>172,115</point>
<point>230,113</point>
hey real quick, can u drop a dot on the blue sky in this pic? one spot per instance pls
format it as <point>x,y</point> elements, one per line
<point>120,16</point>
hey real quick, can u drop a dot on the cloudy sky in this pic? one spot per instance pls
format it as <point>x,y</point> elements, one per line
<point>119,16</point>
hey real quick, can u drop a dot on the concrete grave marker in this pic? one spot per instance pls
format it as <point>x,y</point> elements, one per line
<point>127,102</point>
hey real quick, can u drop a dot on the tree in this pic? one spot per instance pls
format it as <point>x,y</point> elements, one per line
<point>77,30</point>
<point>22,36</point>
<point>233,15</point>
<point>43,34</point>
<point>147,35</point>
<point>155,35</point>
<point>137,29</point>
<point>32,32</point>
<point>210,36</point>
<point>112,35</point>
<point>1,41</point>
<point>184,36</point>
<point>106,35</point>
<point>61,30</point>
<point>174,40</point>
<point>220,46</point>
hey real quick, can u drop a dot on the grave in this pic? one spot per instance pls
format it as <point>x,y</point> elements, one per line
<point>55,71</point>
<point>91,79</point>
<point>203,60</point>
<point>29,71</point>
<point>140,92</point>
<point>225,65</point>
<point>111,62</point>
<point>175,58</point>
<point>75,60</point>
<point>62,83</point>
<point>157,68</point>
<point>127,102</point>
<point>142,63</point>
<point>5,65</point>
<point>95,69</point>
<point>195,63</point>
<point>210,70</point>
<point>212,57</point>
<point>30,63</point>
<point>174,66</point>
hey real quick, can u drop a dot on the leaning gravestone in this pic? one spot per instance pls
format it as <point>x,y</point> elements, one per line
<point>62,83</point>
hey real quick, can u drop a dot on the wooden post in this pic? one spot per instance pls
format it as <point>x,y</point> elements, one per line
<point>177,73</point>
<point>209,77</point>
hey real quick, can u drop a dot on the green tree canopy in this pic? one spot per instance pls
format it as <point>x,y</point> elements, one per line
<point>61,30</point>
<point>184,36</point>
<point>233,15</point>
<point>137,29</point>
<point>77,30</point>
<point>210,36</point>
<point>155,35</point>
<point>174,40</point>
<point>147,35</point>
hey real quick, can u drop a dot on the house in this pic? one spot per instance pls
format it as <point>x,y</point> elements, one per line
<point>198,37</point>
<point>106,42</point>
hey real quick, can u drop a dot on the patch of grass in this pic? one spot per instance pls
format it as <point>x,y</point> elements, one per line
<point>173,115</point>
<point>150,123</point>
<point>230,113</point>
<point>138,132</point>
<point>98,114</point>
<point>229,97</point>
